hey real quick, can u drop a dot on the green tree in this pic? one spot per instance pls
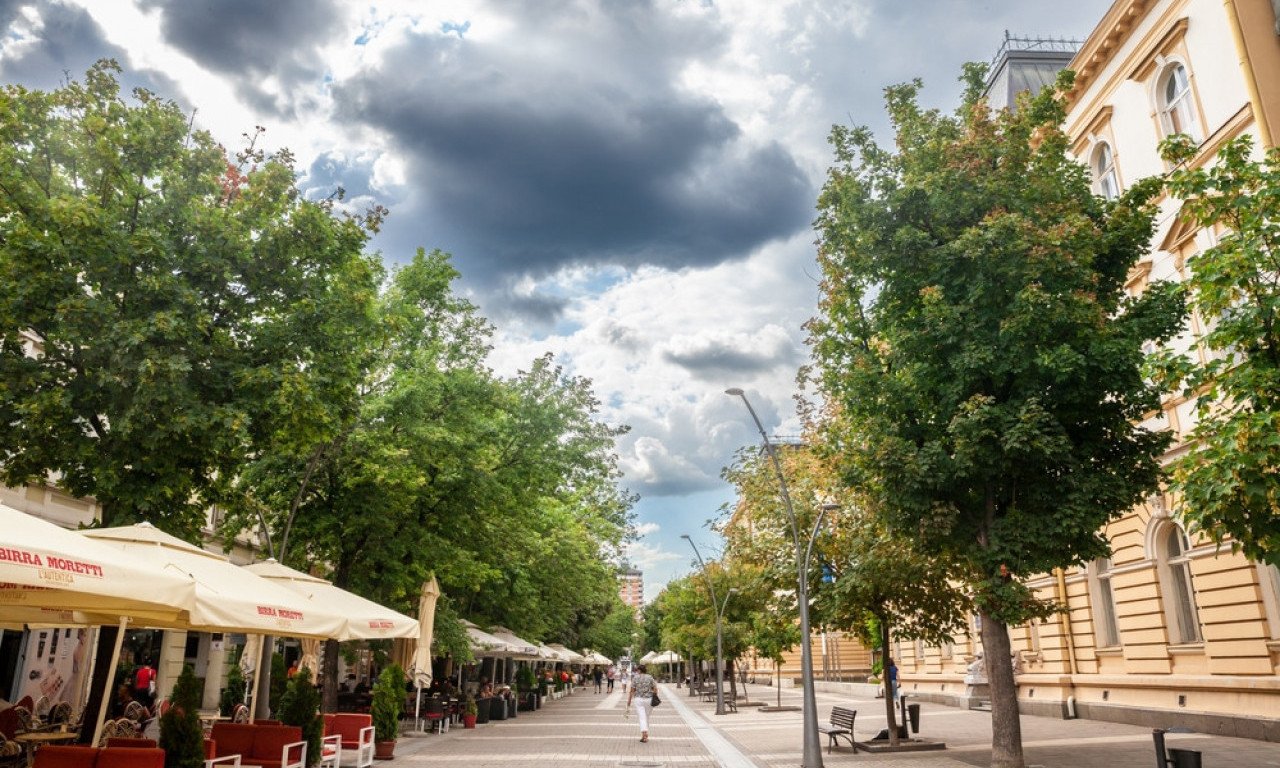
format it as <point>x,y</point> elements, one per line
<point>1227,486</point>
<point>166,311</point>
<point>613,633</point>
<point>975,330</point>
<point>181,734</point>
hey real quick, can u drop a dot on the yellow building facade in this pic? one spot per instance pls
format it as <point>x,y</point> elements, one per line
<point>1169,630</point>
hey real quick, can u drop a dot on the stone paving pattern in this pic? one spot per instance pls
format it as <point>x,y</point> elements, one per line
<point>588,729</point>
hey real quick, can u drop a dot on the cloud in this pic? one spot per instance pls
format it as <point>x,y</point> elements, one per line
<point>646,557</point>
<point>269,49</point>
<point>537,163</point>
<point>644,529</point>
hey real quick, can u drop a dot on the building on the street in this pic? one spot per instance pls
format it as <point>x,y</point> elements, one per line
<point>1170,630</point>
<point>631,587</point>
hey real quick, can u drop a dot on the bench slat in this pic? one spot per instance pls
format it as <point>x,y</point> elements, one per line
<point>841,724</point>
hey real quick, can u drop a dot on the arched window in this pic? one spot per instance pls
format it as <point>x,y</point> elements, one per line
<point>1104,172</point>
<point>1175,102</point>
<point>1106,628</point>
<point>1180,596</point>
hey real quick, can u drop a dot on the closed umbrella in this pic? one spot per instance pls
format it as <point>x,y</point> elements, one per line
<point>420,667</point>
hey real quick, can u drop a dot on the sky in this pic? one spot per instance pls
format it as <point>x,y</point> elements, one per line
<point>629,185</point>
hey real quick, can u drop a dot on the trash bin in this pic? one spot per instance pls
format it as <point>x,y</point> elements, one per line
<point>913,714</point>
<point>1184,758</point>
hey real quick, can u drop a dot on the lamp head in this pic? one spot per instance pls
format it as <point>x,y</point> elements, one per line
<point>736,392</point>
<point>684,536</point>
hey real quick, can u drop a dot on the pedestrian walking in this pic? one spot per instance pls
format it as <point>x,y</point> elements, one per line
<point>642,689</point>
<point>599,678</point>
<point>609,674</point>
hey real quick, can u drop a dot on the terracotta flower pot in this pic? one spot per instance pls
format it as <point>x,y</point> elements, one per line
<point>468,721</point>
<point>384,750</point>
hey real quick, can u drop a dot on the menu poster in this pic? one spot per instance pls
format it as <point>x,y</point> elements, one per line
<point>57,662</point>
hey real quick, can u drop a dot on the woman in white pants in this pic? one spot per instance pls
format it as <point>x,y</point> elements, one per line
<point>642,689</point>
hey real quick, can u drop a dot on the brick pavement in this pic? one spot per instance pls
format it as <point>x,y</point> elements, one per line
<point>587,730</point>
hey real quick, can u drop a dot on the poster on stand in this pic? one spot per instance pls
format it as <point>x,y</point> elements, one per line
<point>57,665</point>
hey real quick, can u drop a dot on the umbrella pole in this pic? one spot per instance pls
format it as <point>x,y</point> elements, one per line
<point>417,709</point>
<point>111,675</point>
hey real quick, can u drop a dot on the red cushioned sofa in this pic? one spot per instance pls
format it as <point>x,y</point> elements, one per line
<point>271,746</point>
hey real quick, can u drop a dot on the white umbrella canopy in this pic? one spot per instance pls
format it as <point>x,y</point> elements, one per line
<point>648,657</point>
<point>51,575</point>
<point>365,619</point>
<point>486,644</point>
<point>521,649</point>
<point>548,652</point>
<point>228,598</point>
<point>666,657</point>
<point>595,657</point>
<point>573,657</point>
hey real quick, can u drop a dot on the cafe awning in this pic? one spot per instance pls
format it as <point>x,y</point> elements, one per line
<point>521,649</point>
<point>228,598</point>
<point>55,576</point>
<point>364,619</point>
<point>485,644</point>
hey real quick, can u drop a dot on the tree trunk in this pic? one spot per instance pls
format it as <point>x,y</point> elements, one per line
<point>330,677</point>
<point>1006,726</point>
<point>733,680</point>
<point>777,668</point>
<point>889,711</point>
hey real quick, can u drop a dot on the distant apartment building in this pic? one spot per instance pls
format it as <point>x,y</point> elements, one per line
<point>1171,629</point>
<point>631,587</point>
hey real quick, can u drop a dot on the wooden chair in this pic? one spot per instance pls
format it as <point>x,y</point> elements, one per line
<point>433,713</point>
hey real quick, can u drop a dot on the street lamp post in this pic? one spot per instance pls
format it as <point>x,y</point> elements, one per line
<point>812,743</point>
<point>719,616</point>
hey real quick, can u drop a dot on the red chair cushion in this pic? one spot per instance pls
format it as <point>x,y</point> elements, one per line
<point>130,757</point>
<point>60,756</point>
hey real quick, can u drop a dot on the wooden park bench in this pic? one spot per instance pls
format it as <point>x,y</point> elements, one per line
<point>841,725</point>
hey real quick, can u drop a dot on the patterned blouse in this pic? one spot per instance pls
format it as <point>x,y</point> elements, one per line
<point>644,686</point>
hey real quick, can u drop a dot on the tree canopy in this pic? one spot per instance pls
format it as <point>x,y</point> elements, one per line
<point>975,330</point>
<point>1227,485</point>
<point>167,310</point>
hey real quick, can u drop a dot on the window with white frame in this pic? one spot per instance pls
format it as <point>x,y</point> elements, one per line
<point>1180,596</point>
<point>1104,172</point>
<point>1106,628</point>
<point>1177,112</point>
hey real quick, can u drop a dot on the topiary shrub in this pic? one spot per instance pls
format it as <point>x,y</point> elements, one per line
<point>233,694</point>
<point>388,703</point>
<point>300,706</point>
<point>181,735</point>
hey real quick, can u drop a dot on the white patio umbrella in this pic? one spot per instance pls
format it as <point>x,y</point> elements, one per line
<point>364,619</point>
<point>485,644</point>
<point>648,657</point>
<point>228,598</point>
<point>52,575</point>
<point>47,573</point>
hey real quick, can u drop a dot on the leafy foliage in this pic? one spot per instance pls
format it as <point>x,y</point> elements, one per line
<point>975,332</point>
<point>234,693</point>
<point>186,309</point>
<point>388,703</point>
<point>300,706</point>
<point>181,734</point>
<point>1228,486</point>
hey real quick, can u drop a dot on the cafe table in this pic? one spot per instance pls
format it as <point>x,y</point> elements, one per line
<point>33,740</point>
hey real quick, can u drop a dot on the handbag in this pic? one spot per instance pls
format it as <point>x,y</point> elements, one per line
<point>655,701</point>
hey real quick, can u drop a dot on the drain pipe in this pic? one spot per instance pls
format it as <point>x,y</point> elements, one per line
<point>1246,70</point>
<point>1071,641</point>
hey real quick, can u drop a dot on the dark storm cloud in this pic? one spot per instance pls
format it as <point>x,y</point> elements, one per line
<point>538,166</point>
<point>715,360</point>
<point>249,40</point>
<point>63,43</point>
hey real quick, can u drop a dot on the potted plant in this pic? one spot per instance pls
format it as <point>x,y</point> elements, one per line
<point>181,736</point>
<point>300,706</point>
<point>469,712</point>
<point>387,708</point>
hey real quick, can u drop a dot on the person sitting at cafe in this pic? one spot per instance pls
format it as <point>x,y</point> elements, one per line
<point>124,696</point>
<point>486,689</point>
<point>349,685</point>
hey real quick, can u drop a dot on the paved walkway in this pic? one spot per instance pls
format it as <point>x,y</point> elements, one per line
<point>586,730</point>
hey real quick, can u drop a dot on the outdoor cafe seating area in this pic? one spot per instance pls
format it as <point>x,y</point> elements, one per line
<point>93,587</point>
